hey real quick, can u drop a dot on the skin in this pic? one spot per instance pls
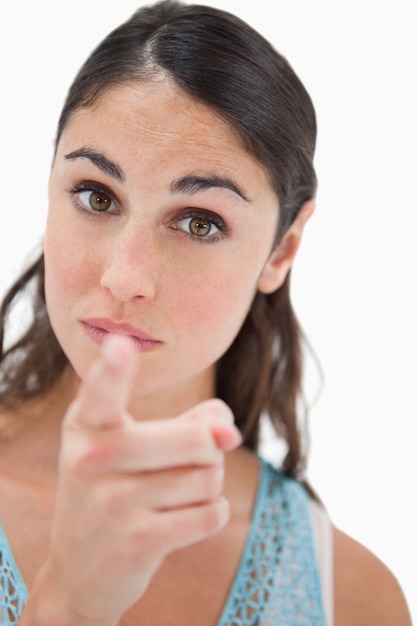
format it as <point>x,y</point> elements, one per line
<point>157,136</point>
<point>137,471</point>
<point>191,295</point>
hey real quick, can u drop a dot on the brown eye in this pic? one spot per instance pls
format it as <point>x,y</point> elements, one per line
<point>200,226</point>
<point>99,201</point>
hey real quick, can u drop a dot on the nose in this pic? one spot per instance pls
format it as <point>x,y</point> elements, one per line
<point>132,264</point>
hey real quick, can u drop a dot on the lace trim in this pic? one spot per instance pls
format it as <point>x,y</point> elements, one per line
<point>13,593</point>
<point>278,581</point>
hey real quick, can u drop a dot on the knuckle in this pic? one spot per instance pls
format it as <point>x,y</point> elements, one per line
<point>148,539</point>
<point>211,482</point>
<point>201,446</point>
<point>218,409</point>
<point>86,455</point>
<point>146,529</point>
<point>213,518</point>
<point>196,436</point>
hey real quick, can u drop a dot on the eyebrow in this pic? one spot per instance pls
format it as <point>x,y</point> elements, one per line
<point>194,184</point>
<point>99,160</point>
<point>186,184</point>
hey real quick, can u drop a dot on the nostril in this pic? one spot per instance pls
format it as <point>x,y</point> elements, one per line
<point>126,283</point>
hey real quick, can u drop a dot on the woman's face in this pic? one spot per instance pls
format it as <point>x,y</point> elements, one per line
<point>159,226</point>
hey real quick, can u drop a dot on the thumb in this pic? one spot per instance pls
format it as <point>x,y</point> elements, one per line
<point>103,395</point>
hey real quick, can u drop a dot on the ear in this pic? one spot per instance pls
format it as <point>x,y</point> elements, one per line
<point>279,263</point>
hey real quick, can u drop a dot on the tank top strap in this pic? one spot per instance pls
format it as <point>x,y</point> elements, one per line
<point>278,581</point>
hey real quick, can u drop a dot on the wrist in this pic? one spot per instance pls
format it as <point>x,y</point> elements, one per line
<point>46,607</point>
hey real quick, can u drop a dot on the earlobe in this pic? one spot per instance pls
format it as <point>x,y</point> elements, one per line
<point>282,257</point>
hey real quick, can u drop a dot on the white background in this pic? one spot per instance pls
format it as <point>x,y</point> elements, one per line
<point>354,281</point>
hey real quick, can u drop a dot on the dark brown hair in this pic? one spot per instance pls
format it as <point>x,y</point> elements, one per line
<point>222,62</point>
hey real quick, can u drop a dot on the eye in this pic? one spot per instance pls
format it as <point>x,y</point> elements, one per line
<point>95,200</point>
<point>199,226</point>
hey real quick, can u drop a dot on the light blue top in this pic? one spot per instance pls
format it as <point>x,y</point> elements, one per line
<point>13,592</point>
<point>278,582</point>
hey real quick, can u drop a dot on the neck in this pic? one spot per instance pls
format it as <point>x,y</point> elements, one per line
<point>33,432</point>
<point>172,401</point>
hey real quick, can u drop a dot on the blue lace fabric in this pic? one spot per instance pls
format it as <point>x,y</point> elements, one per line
<point>278,581</point>
<point>13,593</point>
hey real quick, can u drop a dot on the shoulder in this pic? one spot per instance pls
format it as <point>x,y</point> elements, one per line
<point>366,591</point>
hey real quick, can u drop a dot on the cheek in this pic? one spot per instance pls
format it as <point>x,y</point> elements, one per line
<point>214,308</point>
<point>67,269</point>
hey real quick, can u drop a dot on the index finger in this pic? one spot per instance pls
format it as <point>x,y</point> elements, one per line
<point>104,393</point>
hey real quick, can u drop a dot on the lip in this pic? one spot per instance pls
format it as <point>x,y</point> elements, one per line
<point>97,328</point>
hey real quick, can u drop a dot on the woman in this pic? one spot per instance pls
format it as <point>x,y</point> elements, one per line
<point>131,491</point>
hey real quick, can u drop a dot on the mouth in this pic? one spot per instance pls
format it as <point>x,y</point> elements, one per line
<point>99,328</point>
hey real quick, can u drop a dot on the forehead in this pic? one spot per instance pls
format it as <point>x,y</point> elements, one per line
<point>156,122</point>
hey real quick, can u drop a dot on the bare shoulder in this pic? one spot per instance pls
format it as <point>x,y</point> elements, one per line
<point>366,591</point>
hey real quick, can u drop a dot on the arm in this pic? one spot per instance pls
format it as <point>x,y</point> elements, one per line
<point>366,591</point>
<point>129,494</point>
